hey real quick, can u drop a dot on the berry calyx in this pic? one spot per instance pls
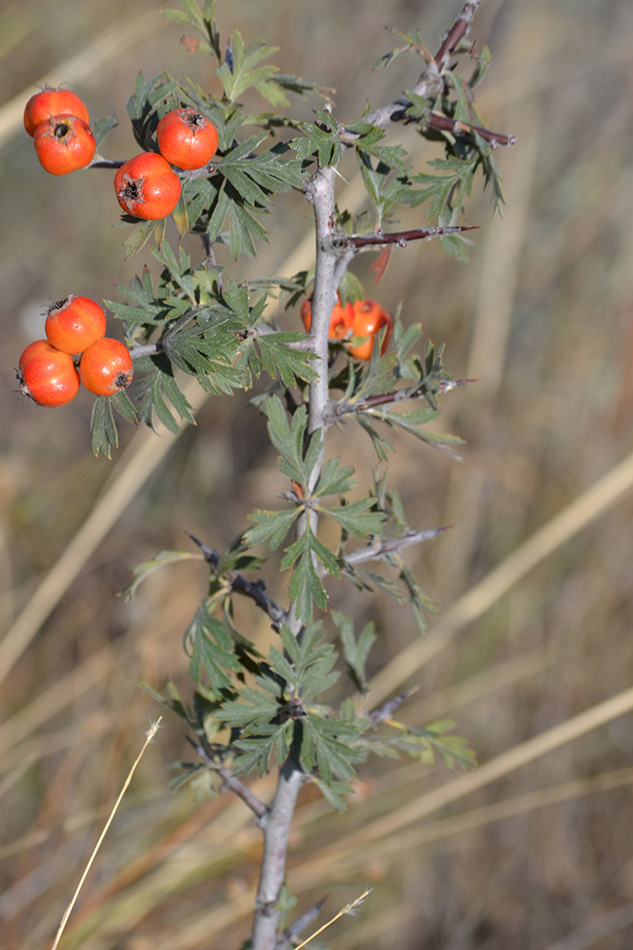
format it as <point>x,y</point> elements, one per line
<point>52,102</point>
<point>47,375</point>
<point>146,187</point>
<point>186,138</point>
<point>341,318</point>
<point>369,318</point>
<point>63,144</point>
<point>74,323</point>
<point>106,367</point>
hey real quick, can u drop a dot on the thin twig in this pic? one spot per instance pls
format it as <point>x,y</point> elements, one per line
<point>234,784</point>
<point>387,709</point>
<point>145,349</point>
<point>337,409</point>
<point>399,237</point>
<point>459,29</point>
<point>256,590</point>
<point>443,122</point>
<point>375,551</point>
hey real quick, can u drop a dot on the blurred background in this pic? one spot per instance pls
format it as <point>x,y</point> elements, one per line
<point>532,650</point>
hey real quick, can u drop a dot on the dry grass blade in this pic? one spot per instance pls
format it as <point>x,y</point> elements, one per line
<point>150,735</point>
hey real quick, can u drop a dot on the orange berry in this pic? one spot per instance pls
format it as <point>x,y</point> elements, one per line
<point>106,367</point>
<point>369,319</point>
<point>63,144</point>
<point>74,323</point>
<point>52,102</point>
<point>47,375</point>
<point>146,187</point>
<point>186,138</point>
<point>340,319</point>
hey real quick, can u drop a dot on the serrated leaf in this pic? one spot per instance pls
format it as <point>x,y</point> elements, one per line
<point>356,518</point>
<point>333,793</point>
<point>273,525</point>
<point>281,362</point>
<point>211,651</point>
<point>104,434</point>
<point>102,128</point>
<point>355,651</point>
<point>245,71</point>
<point>139,238</point>
<point>124,405</point>
<point>335,479</point>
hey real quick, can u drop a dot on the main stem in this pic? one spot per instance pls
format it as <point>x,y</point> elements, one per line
<point>276,824</point>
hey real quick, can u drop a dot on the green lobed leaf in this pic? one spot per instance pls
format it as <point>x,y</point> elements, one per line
<point>356,518</point>
<point>355,651</point>
<point>104,434</point>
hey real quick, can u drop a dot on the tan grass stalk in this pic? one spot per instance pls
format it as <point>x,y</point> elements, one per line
<point>150,735</point>
<point>345,910</point>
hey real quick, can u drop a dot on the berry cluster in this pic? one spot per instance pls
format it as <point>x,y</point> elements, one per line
<point>75,349</point>
<point>362,319</point>
<point>57,119</point>
<point>147,186</point>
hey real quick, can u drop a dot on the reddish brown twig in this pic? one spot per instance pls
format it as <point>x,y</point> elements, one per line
<point>401,238</point>
<point>446,124</point>
<point>459,29</point>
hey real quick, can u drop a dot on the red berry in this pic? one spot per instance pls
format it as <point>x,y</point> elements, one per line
<point>146,187</point>
<point>106,367</point>
<point>63,144</point>
<point>52,102</point>
<point>340,319</point>
<point>186,138</point>
<point>369,318</point>
<point>47,375</point>
<point>74,323</point>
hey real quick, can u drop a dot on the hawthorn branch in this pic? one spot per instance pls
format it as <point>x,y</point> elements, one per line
<point>430,85</point>
<point>241,585</point>
<point>387,709</point>
<point>276,826</point>
<point>234,784</point>
<point>337,409</point>
<point>145,349</point>
<point>443,122</point>
<point>459,29</point>
<point>401,238</point>
<point>373,552</point>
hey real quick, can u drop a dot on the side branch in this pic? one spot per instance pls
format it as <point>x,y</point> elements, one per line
<point>241,585</point>
<point>459,29</point>
<point>401,238</point>
<point>393,546</point>
<point>431,83</point>
<point>438,121</point>
<point>343,408</point>
<point>234,784</point>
